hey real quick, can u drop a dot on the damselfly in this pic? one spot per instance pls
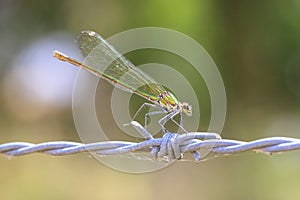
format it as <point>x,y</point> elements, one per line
<point>102,60</point>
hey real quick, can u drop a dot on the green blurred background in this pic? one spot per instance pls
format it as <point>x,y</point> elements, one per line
<point>255,45</point>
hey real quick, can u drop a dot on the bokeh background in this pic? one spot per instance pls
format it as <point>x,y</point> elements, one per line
<point>255,45</point>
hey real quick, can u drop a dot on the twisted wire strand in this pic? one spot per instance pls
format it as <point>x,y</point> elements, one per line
<point>171,145</point>
<point>221,147</point>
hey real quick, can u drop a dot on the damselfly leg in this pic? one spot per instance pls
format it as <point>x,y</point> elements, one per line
<point>170,116</point>
<point>163,120</point>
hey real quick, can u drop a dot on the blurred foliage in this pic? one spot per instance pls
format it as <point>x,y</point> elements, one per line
<point>256,47</point>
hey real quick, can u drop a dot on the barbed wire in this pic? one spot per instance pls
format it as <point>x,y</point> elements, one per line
<point>172,146</point>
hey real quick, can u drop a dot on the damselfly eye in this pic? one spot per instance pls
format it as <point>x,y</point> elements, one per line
<point>186,108</point>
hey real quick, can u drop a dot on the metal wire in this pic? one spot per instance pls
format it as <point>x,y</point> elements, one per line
<point>171,145</point>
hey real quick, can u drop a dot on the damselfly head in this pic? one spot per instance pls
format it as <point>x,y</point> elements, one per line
<point>186,108</point>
